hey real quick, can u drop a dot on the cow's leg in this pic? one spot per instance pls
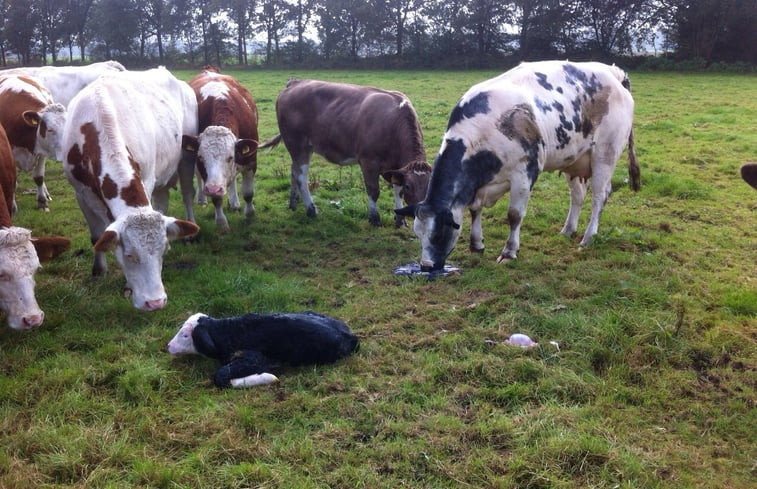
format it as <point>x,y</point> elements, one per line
<point>96,229</point>
<point>578,188</point>
<point>476,232</point>
<point>248,190</point>
<point>520,192</point>
<point>221,222</point>
<point>38,173</point>
<point>160,199</point>
<point>233,195</point>
<point>371,180</point>
<point>399,221</point>
<point>603,160</point>
<point>201,198</point>
<point>186,184</point>
<point>300,185</point>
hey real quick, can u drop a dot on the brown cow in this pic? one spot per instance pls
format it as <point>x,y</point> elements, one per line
<point>33,124</point>
<point>228,125</point>
<point>18,260</point>
<point>349,124</point>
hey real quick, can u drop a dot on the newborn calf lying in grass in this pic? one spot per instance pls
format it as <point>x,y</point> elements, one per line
<point>252,345</point>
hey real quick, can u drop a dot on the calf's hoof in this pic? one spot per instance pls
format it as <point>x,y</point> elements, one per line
<point>505,258</point>
<point>312,211</point>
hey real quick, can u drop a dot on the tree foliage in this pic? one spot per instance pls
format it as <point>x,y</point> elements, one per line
<point>373,32</point>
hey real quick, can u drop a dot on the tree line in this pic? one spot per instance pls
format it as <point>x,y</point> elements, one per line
<point>376,33</point>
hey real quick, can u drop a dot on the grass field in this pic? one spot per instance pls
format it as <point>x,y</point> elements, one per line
<point>653,385</point>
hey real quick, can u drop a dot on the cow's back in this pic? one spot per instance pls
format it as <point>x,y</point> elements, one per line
<point>132,123</point>
<point>223,101</point>
<point>341,121</point>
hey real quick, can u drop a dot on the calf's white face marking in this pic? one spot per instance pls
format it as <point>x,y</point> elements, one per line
<point>18,262</point>
<point>182,343</point>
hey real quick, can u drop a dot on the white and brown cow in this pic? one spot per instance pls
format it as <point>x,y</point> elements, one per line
<point>575,118</point>
<point>228,141</point>
<point>33,123</point>
<point>64,82</point>
<point>122,145</point>
<point>20,254</point>
<point>348,124</point>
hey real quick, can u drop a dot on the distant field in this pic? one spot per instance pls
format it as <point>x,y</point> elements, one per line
<point>653,385</point>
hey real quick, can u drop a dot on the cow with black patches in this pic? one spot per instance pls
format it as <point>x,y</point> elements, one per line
<point>575,118</point>
<point>252,346</point>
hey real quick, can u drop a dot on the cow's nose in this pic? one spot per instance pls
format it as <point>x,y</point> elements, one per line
<point>155,304</point>
<point>213,190</point>
<point>34,320</point>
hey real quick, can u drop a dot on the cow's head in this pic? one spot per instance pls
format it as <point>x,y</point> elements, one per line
<point>438,229</point>
<point>48,123</point>
<point>218,152</point>
<point>412,179</point>
<point>182,343</point>
<point>18,263</point>
<point>139,241</point>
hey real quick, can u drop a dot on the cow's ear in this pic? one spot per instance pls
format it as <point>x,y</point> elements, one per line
<point>408,211</point>
<point>244,149</point>
<point>189,143</point>
<point>450,221</point>
<point>50,248</point>
<point>179,228</point>
<point>107,241</point>
<point>31,118</point>
<point>394,177</point>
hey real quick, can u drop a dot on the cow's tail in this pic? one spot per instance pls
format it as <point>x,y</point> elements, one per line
<point>634,172</point>
<point>271,143</point>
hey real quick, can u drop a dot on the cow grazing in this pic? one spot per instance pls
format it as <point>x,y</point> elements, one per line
<point>349,124</point>
<point>122,145</point>
<point>228,141</point>
<point>33,124</point>
<point>64,82</point>
<point>253,345</point>
<point>545,116</point>
<point>20,254</point>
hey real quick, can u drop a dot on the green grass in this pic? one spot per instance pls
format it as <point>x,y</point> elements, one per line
<point>653,385</point>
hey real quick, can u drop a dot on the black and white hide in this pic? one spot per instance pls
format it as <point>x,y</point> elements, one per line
<point>251,346</point>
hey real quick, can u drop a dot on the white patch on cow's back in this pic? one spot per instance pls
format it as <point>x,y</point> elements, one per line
<point>216,89</point>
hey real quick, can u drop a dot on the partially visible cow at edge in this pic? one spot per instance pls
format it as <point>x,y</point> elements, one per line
<point>544,116</point>
<point>122,143</point>
<point>64,82</point>
<point>20,254</point>
<point>749,174</point>
<point>349,124</point>
<point>33,123</point>
<point>228,141</point>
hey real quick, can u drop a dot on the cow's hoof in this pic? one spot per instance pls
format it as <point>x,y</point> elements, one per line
<point>473,249</point>
<point>312,211</point>
<point>505,259</point>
